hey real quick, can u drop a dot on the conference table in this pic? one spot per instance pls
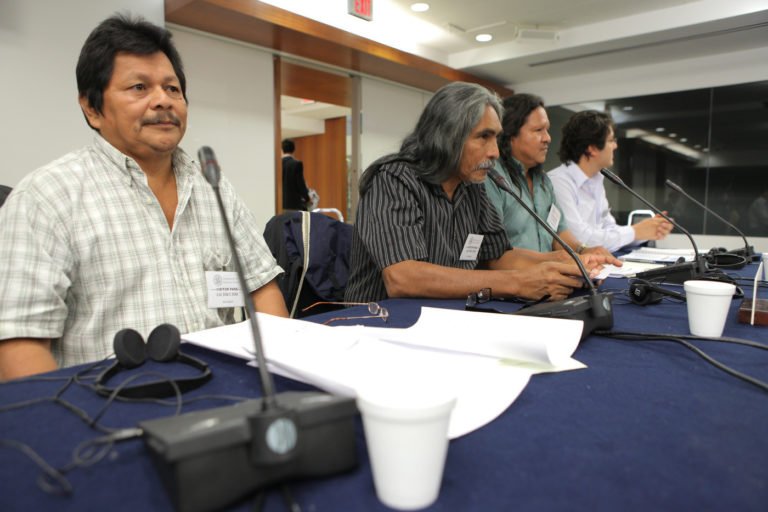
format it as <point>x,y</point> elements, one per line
<point>648,425</point>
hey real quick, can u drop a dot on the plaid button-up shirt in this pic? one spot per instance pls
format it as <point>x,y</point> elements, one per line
<point>86,251</point>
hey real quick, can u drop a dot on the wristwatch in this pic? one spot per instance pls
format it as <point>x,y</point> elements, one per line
<point>583,247</point>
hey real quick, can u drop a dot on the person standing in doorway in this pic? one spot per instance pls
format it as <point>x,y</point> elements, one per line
<point>295,191</point>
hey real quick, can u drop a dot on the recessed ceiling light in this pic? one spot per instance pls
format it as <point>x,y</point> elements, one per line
<point>673,135</point>
<point>684,139</point>
<point>483,38</point>
<point>420,7</point>
<point>660,129</point>
<point>627,108</point>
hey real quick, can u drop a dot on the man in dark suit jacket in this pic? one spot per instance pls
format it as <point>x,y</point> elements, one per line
<point>295,192</point>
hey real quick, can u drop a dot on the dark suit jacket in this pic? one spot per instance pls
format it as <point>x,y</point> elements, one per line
<point>295,192</point>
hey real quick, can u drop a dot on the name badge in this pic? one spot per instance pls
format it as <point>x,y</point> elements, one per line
<point>471,247</point>
<point>223,290</point>
<point>553,219</point>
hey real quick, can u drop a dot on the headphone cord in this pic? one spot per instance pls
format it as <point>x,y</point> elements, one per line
<point>681,339</point>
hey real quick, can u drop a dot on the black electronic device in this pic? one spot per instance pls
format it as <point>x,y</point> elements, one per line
<point>747,253</point>
<point>642,292</point>
<point>213,458</point>
<point>163,346</point>
<point>677,272</point>
<point>595,310</point>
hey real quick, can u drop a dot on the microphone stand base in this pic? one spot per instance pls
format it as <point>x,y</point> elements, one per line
<point>210,459</point>
<point>676,273</point>
<point>596,311</point>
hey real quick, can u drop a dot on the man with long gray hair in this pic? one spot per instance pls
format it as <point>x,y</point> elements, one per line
<point>424,225</point>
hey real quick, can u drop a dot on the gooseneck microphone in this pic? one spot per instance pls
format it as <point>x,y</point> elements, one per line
<point>212,173</point>
<point>595,310</point>
<point>748,251</point>
<point>212,458</point>
<point>677,272</point>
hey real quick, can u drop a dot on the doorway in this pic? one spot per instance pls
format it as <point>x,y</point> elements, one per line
<point>314,107</point>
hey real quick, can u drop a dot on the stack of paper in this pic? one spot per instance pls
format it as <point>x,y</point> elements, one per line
<point>485,359</point>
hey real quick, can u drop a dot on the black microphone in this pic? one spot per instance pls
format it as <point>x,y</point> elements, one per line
<point>595,310</point>
<point>210,168</point>
<point>677,272</point>
<point>212,458</point>
<point>748,251</point>
<point>212,173</point>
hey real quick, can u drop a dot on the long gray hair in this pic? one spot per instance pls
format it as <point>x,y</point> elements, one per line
<point>434,147</point>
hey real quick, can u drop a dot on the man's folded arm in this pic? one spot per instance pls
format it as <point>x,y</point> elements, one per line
<point>412,278</point>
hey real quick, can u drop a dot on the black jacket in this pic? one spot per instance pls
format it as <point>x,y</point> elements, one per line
<point>295,192</point>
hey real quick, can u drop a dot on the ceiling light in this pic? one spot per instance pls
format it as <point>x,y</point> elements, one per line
<point>420,7</point>
<point>627,108</point>
<point>673,135</point>
<point>684,139</point>
<point>660,129</point>
<point>483,38</point>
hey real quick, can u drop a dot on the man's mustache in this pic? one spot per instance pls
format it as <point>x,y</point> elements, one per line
<point>484,166</point>
<point>167,117</point>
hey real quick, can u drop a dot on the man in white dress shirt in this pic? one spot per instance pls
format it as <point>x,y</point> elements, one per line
<point>587,146</point>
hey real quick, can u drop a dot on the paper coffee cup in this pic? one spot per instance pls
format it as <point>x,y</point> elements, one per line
<point>406,432</point>
<point>708,304</point>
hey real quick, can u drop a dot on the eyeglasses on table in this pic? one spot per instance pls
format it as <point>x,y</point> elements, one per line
<point>375,310</point>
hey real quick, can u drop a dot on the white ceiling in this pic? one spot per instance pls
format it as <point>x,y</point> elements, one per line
<point>584,35</point>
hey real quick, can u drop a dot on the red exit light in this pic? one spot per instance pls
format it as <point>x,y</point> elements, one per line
<point>361,8</point>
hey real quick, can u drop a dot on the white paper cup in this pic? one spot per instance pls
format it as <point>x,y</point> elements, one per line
<point>765,266</point>
<point>406,432</point>
<point>708,305</point>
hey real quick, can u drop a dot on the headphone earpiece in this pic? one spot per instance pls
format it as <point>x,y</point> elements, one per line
<point>161,346</point>
<point>643,293</point>
<point>129,347</point>
<point>163,343</point>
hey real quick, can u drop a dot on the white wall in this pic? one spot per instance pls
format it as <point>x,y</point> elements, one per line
<point>390,112</point>
<point>231,109</point>
<point>40,42</point>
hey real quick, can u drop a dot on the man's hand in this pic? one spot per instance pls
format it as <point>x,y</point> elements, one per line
<point>601,251</point>
<point>558,280</point>
<point>655,228</point>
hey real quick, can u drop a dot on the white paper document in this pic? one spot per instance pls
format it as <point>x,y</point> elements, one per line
<point>656,255</point>
<point>484,359</point>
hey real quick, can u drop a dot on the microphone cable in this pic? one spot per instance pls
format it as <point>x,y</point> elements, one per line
<point>682,339</point>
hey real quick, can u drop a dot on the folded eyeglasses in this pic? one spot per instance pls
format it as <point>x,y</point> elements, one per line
<point>375,310</point>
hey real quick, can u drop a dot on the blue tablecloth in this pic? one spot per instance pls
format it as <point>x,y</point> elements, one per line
<point>648,425</point>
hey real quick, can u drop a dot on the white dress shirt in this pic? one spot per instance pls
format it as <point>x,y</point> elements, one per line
<point>585,207</point>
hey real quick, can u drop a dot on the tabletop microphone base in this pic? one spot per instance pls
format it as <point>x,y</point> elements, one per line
<point>675,273</point>
<point>210,459</point>
<point>596,311</point>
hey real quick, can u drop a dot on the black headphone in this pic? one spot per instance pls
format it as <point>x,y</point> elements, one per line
<point>644,292</point>
<point>162,345</point>
<point>718,257</point>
